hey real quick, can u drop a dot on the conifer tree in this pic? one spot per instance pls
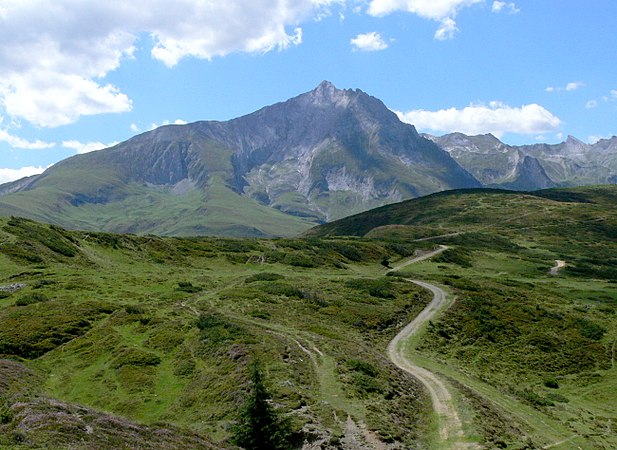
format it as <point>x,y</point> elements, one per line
<point>259,426</point>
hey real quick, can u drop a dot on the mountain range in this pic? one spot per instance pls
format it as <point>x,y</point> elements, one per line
<point>318,157</point>
<point>531,167</point>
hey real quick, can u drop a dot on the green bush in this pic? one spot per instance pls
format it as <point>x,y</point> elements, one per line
<point>30,299</point>
<point>264,276</point>
<point>216,331</point>
<point>187,286</point>
<point>299,260</point>
<point>591,330</point>
<point>551,383</point>
<point>380,288</point>
<point>458,256</point>
<point>362,366</point>
<point>279,288</point>
<point>135,357</point>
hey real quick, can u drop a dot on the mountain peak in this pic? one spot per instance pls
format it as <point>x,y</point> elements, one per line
<point>326,94</point>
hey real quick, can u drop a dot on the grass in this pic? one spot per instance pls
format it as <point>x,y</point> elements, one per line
<point>127,339</point>
<point>158,329</point>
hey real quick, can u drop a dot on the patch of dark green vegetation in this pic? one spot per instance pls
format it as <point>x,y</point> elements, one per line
<point>264,276</point>
<point>54,238</point>
<point>380,288</point>
<point>459,256</point>
<point>30,299</point>
<point>32,330</point>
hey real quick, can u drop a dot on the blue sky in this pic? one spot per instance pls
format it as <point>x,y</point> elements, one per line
<point>77,75</point>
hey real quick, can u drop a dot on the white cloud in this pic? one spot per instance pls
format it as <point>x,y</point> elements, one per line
<point>446,30</point>
<point>442,11</point>
<point>573,86</point>
<point>7,175</point>
<point>591,104</point>
<point>496,118</point>
<point>55,54</point>
<point>508,7</point>
<point>86,147</point>
<point>17,142</point>
<point>167,122</point>
<point>54,99</point>
<point>428,9</point>
<point>135,128</point>
<point>369,42</point>
<point>614,94</point>
<point>594,139</point>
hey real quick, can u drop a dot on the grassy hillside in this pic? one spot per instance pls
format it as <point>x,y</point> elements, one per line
<point>137,208</point>
<point>533,354</point>
<point>160,332</point>
<point>157,334</point>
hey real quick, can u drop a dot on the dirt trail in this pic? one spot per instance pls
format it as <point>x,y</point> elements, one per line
<point>559,264</point>
<point>451,432</point>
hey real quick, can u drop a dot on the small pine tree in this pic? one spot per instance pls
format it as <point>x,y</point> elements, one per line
<point>259,426</point>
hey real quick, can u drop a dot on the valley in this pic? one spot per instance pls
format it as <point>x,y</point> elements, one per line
<point>158,333</point>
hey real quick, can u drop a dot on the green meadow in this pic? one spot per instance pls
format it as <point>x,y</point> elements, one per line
<point>156,335</point>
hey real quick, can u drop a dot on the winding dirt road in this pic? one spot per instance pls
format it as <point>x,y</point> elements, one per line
<point>451,433</point>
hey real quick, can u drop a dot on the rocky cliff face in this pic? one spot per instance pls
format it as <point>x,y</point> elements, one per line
<point>529,167</point>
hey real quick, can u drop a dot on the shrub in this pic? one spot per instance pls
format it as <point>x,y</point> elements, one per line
<point>216,331</point>
<point>187,286</point>
<point>380,288</point>
<point>264,276</point>
<point>362,366</point>
<point>135,357</point>
<point>278,288</point>
<point>31,299</point>
<point>297,260</point>
<point>458,256</point>
<point>551,383</point>
<point>591,330</point>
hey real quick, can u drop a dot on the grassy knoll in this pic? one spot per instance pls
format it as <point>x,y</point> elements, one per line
<point>158,334</point>
<point>533,354</point>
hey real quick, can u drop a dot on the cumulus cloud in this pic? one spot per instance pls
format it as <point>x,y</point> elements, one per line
<point>496,118</point>
<point>54,55</point>
<point>591,104</point>
<point>369,42</point>
<point>86,147</point>
<point>442,11</point>
<point>17,142</point>
<point>7,175</point>
<point>508,7</point>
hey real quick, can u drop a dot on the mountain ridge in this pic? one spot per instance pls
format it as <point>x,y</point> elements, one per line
<point>569,163</point>
<point>316,157</point>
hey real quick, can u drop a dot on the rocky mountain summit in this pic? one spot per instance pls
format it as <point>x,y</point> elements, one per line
<point>319,156</point>
<point>530,167</point>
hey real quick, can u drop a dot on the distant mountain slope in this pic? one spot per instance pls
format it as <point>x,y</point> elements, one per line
<point>539,166</point>
<point>320,156</point>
